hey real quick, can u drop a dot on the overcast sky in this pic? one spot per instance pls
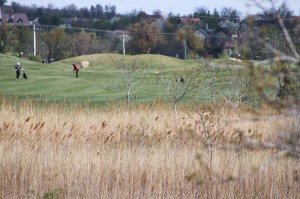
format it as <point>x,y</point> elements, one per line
<point>181,7</point>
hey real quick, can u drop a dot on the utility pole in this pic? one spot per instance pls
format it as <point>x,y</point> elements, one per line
<point>123,39</point>
<point>34,41</point>
<point>184,49</point>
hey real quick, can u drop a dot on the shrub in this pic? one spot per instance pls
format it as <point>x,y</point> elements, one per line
<point>34,58</point>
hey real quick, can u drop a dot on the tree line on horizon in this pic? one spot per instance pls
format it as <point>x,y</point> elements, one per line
<point>98,30</point>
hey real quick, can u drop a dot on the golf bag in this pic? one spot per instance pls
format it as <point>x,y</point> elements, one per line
<point>24,74</point>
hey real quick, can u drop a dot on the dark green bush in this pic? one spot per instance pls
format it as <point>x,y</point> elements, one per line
<point>34,58</point>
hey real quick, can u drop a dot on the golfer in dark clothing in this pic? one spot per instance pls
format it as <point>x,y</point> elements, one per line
<point>18,71</point>
<point>76,68</point>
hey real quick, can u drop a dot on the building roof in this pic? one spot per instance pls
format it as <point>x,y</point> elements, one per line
<point>15,18</point>
<point>188,20</point>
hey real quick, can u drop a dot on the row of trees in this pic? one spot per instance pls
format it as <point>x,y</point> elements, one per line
<point>99,32</point>
<point>69,11</point>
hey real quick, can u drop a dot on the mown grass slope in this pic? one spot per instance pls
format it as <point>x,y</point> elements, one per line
<point>57,82</point>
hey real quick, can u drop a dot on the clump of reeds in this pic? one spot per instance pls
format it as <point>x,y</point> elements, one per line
<point>143,151</point>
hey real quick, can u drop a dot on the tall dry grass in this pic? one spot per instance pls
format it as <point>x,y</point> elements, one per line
<point>62,151</point>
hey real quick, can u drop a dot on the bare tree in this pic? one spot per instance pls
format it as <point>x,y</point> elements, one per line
<point>86,43</point>
<point>229,13</point>
<point>281,70</point>
<point>132,74</point>
<point>212,85</point>
<point>178,85</point>
<point>234,90</point>
<point>280,73</point>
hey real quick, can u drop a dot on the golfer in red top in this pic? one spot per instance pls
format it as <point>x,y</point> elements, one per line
<point>76,68</point>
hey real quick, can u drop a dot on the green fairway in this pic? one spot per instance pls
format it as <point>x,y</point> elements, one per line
<point>57,82</point>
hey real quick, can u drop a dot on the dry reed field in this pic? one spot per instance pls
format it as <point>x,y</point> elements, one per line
<point>148,151</point>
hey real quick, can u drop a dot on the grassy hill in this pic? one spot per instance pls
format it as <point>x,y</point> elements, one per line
<point>78,151</point>
<point>57,82</point>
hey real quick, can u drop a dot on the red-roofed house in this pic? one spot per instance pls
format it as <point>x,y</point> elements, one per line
<point>188,20</point>
<point>14,18</point>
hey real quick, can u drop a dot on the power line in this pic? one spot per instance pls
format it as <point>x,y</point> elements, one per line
<point>162,33</point>
<point>79,28</point>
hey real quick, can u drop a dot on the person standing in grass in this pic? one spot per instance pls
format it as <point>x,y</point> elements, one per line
<point>76,68</point>
<point>18,70</point>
